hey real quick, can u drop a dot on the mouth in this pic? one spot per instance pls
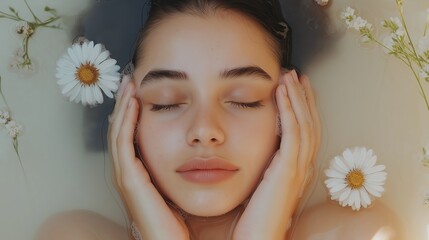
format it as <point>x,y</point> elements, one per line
<point>207,171</point>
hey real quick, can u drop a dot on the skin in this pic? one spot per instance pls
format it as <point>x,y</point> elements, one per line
<point>207,122</point>
<point>206,115</point>
<point>222,43</point>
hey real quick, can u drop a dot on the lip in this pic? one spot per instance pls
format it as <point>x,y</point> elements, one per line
<point>207,171</point>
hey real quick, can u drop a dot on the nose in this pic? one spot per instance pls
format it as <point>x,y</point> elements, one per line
<point>205,129</point>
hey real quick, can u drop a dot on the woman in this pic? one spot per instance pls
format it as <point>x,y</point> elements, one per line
<point>205,95</point>
<point>211,138</point>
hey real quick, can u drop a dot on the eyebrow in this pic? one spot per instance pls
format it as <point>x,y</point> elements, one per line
<point>160,74</point>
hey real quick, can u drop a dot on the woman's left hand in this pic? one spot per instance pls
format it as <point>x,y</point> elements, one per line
<point>270,209</point>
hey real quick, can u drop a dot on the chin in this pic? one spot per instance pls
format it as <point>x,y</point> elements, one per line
<point>209,207</point>
<point>208,212</point>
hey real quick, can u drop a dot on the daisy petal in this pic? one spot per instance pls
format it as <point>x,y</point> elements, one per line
<point>94,53</point>
<point>98,95</point>
<point>374,169</point>
<point>69,86</point>
<point>374,190</point>
<point>74,93</point>
<point>365,197</point>
<point>105,89</point>
<point>334,174</point>
<point>345,194</point>
<point>106,65</point>
<point>348,157</point>
<point>103,56</point>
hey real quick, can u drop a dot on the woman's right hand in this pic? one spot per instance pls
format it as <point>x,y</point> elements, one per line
<point>150,213</point>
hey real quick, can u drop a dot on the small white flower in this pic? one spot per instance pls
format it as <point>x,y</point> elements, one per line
<point>347,13</point>
<point>395,26</point>
<point>24,29</point>
<point>85,70</point>
<point>4,116</point>
<point>14,129</point>
<point>423,74</point>
<point>423,45</point>
<point>359,23</point>
<point>322,2</point>
<point>365,39</point>
<point>353,178</point>
<point>389,43</point>
<point>396,21</point>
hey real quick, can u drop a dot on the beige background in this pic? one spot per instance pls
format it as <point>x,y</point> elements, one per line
<point>366,98</point>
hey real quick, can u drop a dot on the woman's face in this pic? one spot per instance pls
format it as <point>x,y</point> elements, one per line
<point>207,124</point>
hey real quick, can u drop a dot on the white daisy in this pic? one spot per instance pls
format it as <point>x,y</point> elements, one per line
<point>353,178</point>
<point>84,70</point>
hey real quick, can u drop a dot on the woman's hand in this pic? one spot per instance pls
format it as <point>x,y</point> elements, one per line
<point>270,209</point>
<point>150,213</point>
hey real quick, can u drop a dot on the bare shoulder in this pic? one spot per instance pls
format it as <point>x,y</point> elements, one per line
<point>80,224</point>
<point>332,222</point>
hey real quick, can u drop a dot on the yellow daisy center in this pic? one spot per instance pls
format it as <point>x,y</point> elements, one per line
<point>355,179</point>
<point>87,74</point>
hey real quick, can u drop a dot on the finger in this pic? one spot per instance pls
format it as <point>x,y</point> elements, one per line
<point>314,115</point>
<point>289,143</point>
<point>115,127</point>
<point>131,167</point>
<point>303,117</point>
<point>124,83</point>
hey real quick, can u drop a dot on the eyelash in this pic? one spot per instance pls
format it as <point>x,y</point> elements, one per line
<point>157,107</point>
<point>256,104</point>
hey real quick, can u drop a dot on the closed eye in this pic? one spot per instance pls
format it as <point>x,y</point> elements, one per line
<point>256,104</point>
<point>158,107</point>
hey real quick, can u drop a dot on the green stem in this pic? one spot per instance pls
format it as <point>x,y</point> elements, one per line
<point>401,12</point>
<point>11,17</point>
<point>47,22</point>
<point>426,27</point>
<point>26,57</point>
<point>420,84</point>
<point>32,13</point>
<point>2,96</point>
<point>15,146</point>
<point>53,27</point>
<point>384,46</point>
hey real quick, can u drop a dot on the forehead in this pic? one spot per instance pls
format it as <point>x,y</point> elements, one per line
<point>193,43</point>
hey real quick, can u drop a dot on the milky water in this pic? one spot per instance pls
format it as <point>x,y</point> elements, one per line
<point>365,97</point>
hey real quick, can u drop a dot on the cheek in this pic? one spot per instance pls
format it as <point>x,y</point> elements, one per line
<point>158,142</point>
<point>256,137</point>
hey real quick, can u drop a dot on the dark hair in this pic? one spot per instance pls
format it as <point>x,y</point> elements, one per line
<point>267,13</point>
